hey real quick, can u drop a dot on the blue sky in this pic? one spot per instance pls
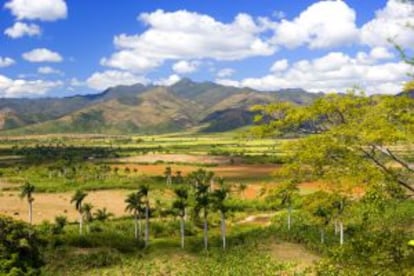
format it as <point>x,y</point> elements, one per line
<point>60,48</point>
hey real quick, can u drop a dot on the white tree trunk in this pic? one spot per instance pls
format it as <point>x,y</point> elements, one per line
<point>205,231</point>
<point>289,218</point>
<point>146,225</point>
<point>223,230</point>
<point>80,223</point>
<point>341,233</point>
<point>136,227</point>
<point>139,226</point>
<point>182,231</point>
<point>30,212</point>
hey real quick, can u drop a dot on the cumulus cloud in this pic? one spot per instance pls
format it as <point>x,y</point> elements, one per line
<point>45,10</point>
<point>324,24</point>
<point>47,70</point>
<point>20,29</point>
<point>185,67</point>
<point>335,71</point>
<point>390,23</point>
<point>10,88</point>
<point>184,35</point>
<point>6,61</point>
<point>225,73</point>
<point>172,79</point>
<point>42,55</point>
<point>279,65</point>
<point>110,78</point>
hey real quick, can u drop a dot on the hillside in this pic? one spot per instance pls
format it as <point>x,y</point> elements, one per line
<point>142,109</point>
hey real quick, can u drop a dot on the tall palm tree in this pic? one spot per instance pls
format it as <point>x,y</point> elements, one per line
<point>180,204</point>
<point>77,199</point>
<point>144,193</point>
<point>168,175</point>
<point>201,181</point>
<point>218,199</point>
<point>133,202</point>
<point>286,193</point>
<point>26,191</point>
<point>87,214</point>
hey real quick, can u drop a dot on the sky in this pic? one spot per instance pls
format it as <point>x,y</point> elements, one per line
<point>67,47</point>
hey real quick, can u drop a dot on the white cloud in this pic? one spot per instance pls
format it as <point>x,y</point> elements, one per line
<point>184,35</point>
<point>10,88</point>
<point>45,10</point>
<point>225,73</point>
<point>46,70</point>
<point>6,62</point>
<point>20,29</point>
<point>335,71</point>
<point>185,67</point>
<point>75,82</point>
<point>390,23</point>
<point>42,55</point>
<point>379,53</point>
<point>172,79</point>
<point>324,24</point>
<point>110,78</point>
<point>279,65</point>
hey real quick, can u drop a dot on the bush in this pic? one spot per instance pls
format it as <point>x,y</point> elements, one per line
<point>19,248</point>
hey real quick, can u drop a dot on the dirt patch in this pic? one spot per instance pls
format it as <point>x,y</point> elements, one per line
<point>183,158</point>
<point>229,171</point>
<point>48,206</point>
<point>261,219</point>
<point>291,252</point>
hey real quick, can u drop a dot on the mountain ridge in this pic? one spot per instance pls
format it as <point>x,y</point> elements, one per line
<point>142,109</point>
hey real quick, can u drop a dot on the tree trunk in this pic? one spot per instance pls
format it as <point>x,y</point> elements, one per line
<point>289,218</point>
<point>341,233</point>
<point>139,226</point>
<point>322,236</point>
<point>223,230</point>
<point>205,231</point>
<point>136,226</point>
<point>30,212</point>
<point>146,224</point>
<point>182,231</point>
<point>80,223</point>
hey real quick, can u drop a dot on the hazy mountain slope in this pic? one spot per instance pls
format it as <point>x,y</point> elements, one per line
<point>143,109</point>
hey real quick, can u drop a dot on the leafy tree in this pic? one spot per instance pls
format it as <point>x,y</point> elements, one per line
<point>180,205</point>
<point>26,191</point>
<point>218,199</point>
<point>60,223</point>
<point>351,139</point>
<point>134,205</point>
<point>144,194</point>
<point>321,206</point>
<point>284,196</point>
<point>19,248</point>
<point>77,200</point>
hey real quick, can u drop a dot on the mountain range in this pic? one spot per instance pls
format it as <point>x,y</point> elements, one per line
<point>205,106</point>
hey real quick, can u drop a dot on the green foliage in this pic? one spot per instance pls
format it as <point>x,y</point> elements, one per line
<point>19,248</point>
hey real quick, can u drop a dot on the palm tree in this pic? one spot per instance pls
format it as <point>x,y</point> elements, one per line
<point>286,193</point>
<point>77,199</point>
<point>87,213</point>
<point>26,191</point>
<point>168,175</point>
<point>144,193</point>
<point>133,202</point>
<point>103,214</point>
<point>180,204</point>
<point>218,199</point>
<point>201,180</point>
